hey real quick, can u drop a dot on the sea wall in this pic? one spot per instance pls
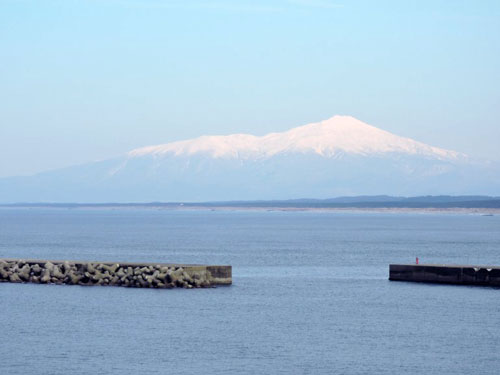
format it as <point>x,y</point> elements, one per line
<point>138,275</point>
<point>446,274</point>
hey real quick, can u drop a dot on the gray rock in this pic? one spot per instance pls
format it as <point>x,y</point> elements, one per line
<point>162,277</point>
<point>56,272</point>
<point>45,276</point>
<point>4,274</point>
<point>91,268</point>
<point>24,272</point>
<point>56,280</point>
<point>120,273</point>
<point>111,269</point>
<point>187,278</point>
<point>36,269</point>
<point>74,278</point>
<point>67,267</point>
<point>14,278</point>
<point>98,276</point>
<point>48,265</point>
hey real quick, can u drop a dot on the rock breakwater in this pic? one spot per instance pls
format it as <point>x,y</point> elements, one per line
<point>138,275</point>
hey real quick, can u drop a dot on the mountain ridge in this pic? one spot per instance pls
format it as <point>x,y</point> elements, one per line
<point>340,156</point>
<point>338,134</point>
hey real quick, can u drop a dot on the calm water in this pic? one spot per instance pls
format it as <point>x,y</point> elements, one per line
<point>310,295</point>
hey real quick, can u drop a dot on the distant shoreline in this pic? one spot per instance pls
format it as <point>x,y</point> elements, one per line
<point>390,210</point>
<point>465,204</point>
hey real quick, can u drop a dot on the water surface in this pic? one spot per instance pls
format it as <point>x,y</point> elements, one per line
<point>310,294</point>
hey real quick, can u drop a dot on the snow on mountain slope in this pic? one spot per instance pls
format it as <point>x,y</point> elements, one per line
<point>341,156</point>
<point>337,135</point>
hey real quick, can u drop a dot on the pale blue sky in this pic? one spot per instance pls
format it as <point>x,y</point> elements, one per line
<point>83,80</point>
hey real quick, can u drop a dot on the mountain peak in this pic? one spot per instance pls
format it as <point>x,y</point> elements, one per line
<point>340,156</point>
<point>335,136</point>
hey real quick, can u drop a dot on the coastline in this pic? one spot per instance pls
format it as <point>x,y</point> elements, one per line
<point>389,210</point>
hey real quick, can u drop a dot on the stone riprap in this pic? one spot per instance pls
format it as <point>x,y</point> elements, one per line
<point>446,274</point>
<point>138,275</point>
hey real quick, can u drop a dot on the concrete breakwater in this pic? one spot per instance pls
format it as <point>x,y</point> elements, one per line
<point>138,275</point>
<point>446,274</point>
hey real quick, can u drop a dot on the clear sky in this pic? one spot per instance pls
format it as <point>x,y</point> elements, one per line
<point>82,80</point>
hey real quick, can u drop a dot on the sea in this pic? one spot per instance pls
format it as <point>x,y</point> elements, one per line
<point>310,294</point>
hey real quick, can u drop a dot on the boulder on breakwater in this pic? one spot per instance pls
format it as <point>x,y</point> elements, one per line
<point>138,275</point>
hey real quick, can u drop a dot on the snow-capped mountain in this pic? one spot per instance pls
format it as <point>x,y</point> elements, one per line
<point>338,156</point>
<point>329,138</point>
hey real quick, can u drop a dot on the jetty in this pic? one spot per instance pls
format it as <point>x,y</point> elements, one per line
<point>446,274</point>
<point>138,275</point>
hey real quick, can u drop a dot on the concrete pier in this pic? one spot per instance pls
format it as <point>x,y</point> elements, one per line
<point>139,275</point>
<point>446,274</point>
